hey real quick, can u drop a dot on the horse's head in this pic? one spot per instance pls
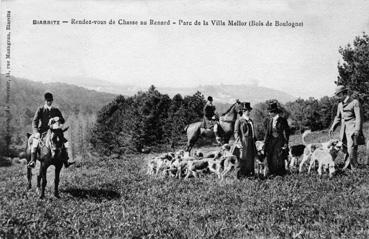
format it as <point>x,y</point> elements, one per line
<point>232,112</point>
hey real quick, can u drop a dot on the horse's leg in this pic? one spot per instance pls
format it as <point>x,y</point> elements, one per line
<point>56,181</point>
<point>44,181</point>
<point>29,177</point>
<point>189,146</point>
<point>39,177</point>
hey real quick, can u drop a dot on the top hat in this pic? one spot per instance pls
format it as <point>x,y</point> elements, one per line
<point>273,107</point>
<point>340,89</point>
<point>48,96</point>
<point>245,106</point>
<point>210,98</point>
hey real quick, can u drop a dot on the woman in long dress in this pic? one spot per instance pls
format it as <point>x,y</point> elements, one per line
<point>276,140</point>
<point>245,141</point>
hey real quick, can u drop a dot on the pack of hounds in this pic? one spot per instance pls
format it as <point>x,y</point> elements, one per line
<point>222,162</point>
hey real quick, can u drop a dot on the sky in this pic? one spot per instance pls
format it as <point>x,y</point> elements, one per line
<point>301,61</point>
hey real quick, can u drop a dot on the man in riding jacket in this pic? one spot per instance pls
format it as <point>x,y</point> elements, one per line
<point>40,125</point>
<point>349,115</point>
<point>210,120</point>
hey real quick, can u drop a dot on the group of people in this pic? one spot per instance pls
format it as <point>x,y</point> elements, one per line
<point>277,133</point>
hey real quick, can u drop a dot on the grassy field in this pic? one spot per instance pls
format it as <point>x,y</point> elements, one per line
<point>104,198</point>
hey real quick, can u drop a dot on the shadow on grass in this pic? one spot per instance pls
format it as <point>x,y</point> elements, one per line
<point>97,195</point>
<point>340,173</point>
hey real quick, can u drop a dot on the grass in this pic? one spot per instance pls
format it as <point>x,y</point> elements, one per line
<point>105,198</point>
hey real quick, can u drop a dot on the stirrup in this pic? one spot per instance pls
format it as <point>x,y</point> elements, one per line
<point>31,164</point>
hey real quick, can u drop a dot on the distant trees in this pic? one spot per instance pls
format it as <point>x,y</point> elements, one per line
<point>354,70</point>
<point>77,104</point>
<point>79,132</point>
<point>311,113</point>
<point>147,119</point>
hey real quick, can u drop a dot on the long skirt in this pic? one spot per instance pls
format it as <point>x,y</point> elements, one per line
<point>247,157</point>
<point>276,156</point>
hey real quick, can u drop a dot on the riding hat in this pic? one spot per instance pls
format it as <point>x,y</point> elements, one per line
<point>340,89</point>
<point>273,107</point>
<point>245,106</point>
<point>48,96</point>
<point>210,98</point>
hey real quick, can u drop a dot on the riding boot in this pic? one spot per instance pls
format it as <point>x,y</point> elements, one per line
<point>219,140</point>
<point>217,137</point>
<point>32,162</point>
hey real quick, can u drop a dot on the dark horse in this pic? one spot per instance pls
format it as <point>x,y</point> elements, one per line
<point>45,157</point>
<point>225,127</point>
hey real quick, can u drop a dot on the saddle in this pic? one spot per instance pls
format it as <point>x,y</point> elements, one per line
<point>53,139</point>
<point>209,123</point>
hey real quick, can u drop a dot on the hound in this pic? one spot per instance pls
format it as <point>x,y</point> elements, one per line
<point>310,148</point>
<point>224,150</point>
<point>325,159</point>
<point>197,166</point>
<point>261,163</point>
<point>295,155</point>
<point>158,163</point>
<point>231,163</point>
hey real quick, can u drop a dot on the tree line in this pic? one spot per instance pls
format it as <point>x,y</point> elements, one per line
<point>152,119</point>
<point>78,106</point>
<point>147,119</point>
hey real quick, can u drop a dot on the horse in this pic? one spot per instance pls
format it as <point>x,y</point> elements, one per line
<point>225,127</point>
<point>52,138</point>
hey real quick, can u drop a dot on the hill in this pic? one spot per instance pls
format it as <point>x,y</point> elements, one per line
<point>221,93</point>
<point>228,93</point>
<point>26,96</point>
<point>29,94</point>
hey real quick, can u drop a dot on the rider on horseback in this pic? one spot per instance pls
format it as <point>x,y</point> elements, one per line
<point>40,124</point>
<point>210,119</point>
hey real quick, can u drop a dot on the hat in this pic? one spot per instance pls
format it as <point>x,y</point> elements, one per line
<point>340,89</point>
<point>273,107</point>
<point>210,98</point>
<point>245,106</point>
<point>48,96</point>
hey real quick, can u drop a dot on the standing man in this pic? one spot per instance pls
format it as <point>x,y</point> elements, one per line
<point>210,118</point>
<point>349,115</point>
<point>40,125</point>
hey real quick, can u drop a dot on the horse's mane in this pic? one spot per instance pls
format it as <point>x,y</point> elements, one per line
<point>229,109</point>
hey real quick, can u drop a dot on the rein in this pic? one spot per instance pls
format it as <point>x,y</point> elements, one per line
<point>42,141</point>
<point>224,114</point>
<point>227,121</point>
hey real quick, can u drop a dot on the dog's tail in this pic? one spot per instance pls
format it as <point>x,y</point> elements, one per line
<point>304,135</point>
<point>185,128</point>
